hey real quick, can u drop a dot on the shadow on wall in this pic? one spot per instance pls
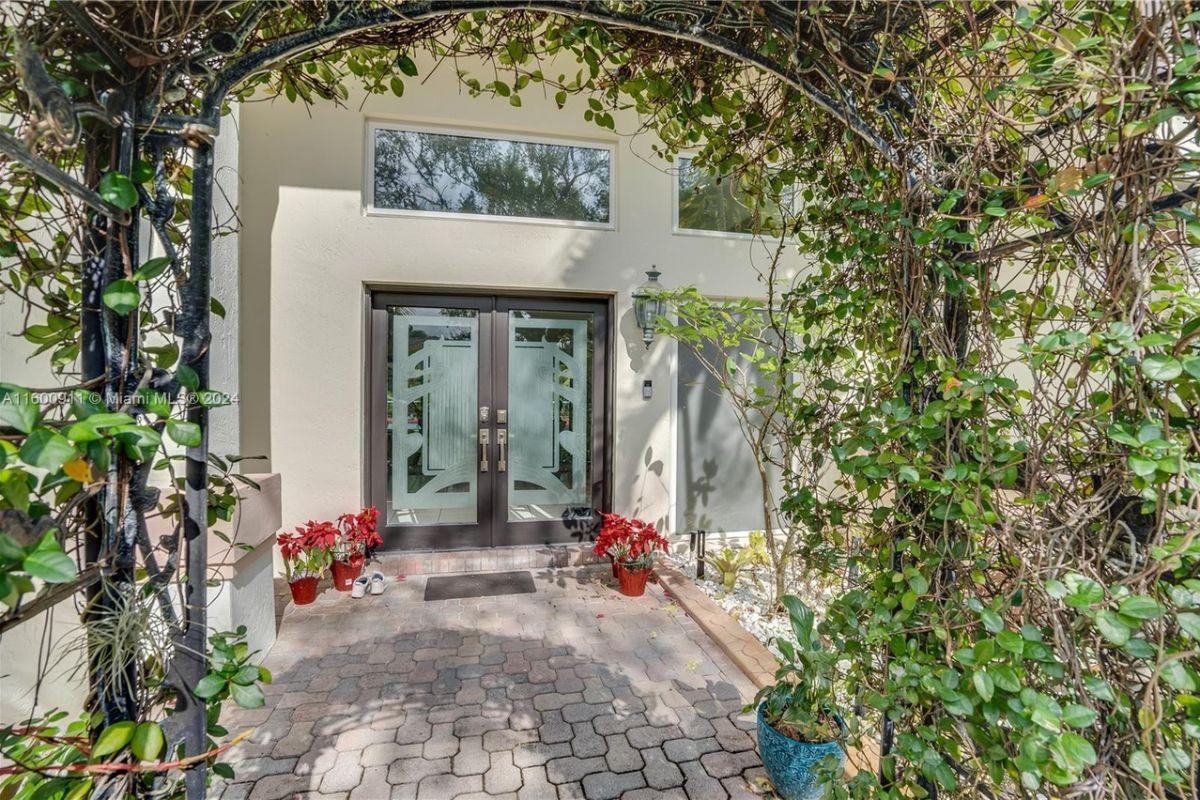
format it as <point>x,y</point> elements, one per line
<point>652,470</point>
<point>717,479</point>
<point>635,349</point>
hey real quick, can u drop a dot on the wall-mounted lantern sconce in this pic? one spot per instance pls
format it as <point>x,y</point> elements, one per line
<point>647,308</point>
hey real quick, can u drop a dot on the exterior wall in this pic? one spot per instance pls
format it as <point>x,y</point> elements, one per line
<point>308,249</point>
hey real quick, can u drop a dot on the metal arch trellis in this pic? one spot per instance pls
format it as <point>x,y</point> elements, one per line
<point>134,119</point>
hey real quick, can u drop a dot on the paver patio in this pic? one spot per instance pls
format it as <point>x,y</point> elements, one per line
<point>572,692</point>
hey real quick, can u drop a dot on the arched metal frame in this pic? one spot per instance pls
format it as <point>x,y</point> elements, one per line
<point>218,68</point>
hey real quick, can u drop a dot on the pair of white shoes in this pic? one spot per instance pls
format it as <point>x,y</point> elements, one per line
<point>374,583</point>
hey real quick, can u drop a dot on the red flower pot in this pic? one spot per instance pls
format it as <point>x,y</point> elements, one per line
<point>613,561</point>
<point>344,572</point>
<point>304,590</point>
<point>633,581</point>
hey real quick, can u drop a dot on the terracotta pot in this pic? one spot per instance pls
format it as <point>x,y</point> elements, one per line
<point>344,572</point>
<point>633,582</point>
<point>304,590</point>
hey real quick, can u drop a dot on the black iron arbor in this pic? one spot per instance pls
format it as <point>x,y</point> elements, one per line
<point>159,78</point>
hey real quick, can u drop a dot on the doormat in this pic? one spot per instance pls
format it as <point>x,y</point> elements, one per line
<point>451,587</point>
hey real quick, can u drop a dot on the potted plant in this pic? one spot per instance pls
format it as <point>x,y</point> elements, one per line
<point>798,728</point>
<point>356,534</point>
<point>305,556</point>
<point>631,544</point>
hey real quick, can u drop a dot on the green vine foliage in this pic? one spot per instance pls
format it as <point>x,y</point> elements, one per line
<point>60,758</point>
<point>997,332</point>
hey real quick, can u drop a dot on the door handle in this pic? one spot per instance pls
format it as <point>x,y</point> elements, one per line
<point>502,441</point>
<point>483,448</point>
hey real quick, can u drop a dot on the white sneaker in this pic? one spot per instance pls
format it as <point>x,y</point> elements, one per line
<point>378,583</point>
<point>359,588</point>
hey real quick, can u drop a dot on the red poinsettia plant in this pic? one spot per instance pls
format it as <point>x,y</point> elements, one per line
<point>306,549</point>
<point>357,533</point>
<point>631,543</point>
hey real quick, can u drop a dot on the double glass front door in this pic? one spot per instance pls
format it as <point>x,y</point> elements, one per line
<point>486,419</point>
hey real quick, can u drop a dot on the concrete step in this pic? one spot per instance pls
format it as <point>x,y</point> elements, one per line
<point>492,559</point>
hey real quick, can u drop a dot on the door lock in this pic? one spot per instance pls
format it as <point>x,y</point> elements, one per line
<point>501,416</point>
<point>483,414</point>
<point>484,440</point>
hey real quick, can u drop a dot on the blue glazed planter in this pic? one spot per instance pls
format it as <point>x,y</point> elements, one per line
<point>790,764</point>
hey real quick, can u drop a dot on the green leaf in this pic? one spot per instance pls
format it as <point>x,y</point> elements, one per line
<point>984,684</point>
<point>47,450</point>
<point>49,563</point>
<point>1142,467</point>
<point>139,441</point>
<point>88,430</point>
<point>247,675</point>
<point>118,190</point>
<point>114,738</point>
<point>991,620</point>
<point>209,686</point>
<point>187,434</point>
<point>397,87</point>
<point>1160,367</point>
<point>1011,641</point>
<point>152,268</point>
<point>1084,592</point>
<point>148,741</point>
<point>187,377</point>
<point>1099,688</point>
<point>247,696</point>
<point>1141,607</point>
<point>1190,623</point>
<point>1045,713</point>
<point>1072,752</point>
<point>121,296</point>
<point>18,408</point>
<point>1112,627</point>
<point>958,704</point>
<point>1078,716</point>
<point>406,65</point>
<point>1179,676</point>
<point>1140,762</point>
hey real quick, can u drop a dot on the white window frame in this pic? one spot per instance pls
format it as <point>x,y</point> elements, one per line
<point>370,209</point>
<point>679,230</point>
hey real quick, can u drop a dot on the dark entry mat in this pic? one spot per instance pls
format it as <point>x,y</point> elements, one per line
<point>450,587</point>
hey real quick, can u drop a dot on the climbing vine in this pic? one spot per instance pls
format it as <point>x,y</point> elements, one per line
<point>997,333</point>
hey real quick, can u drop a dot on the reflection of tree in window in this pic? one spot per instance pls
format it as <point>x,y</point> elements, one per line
<point>711,202</point>
<point>472,175</point>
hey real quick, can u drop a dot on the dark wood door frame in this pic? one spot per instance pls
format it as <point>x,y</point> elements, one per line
<point>492,528</point>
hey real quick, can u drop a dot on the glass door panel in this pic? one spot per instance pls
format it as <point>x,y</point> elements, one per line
<point>433,393</point>
<point>486,422</point>
<point>550,363</point>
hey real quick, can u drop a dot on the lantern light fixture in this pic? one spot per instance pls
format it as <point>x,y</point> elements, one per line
<point>648,306</point>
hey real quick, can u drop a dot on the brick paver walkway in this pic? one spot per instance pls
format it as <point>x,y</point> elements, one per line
<point>572,692</point>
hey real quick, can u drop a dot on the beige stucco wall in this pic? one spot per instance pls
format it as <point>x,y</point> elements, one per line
<point>308,249</point>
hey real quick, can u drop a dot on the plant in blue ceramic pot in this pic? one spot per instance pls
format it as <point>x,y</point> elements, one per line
<point>799,731</point>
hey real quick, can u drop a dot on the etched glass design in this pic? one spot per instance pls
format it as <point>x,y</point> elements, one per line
<point>432,395</point>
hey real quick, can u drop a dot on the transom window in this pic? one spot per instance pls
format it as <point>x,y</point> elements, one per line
<point>430,171</point>
<point>706,202</point>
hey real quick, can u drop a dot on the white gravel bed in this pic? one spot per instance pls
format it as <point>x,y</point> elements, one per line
<point>750,600</point>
